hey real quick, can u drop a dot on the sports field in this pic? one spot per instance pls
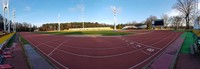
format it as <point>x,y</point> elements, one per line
<point>119,52</point>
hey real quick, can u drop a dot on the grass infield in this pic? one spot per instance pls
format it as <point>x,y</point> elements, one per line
<point>104,33</point>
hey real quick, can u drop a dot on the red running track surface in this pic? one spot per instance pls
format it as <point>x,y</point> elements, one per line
<point>121,52</point>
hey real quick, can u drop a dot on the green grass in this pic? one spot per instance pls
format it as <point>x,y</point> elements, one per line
<point>104,33</point>
<point>10,42</point>
<point>23,40</point>
<point>187,42</point>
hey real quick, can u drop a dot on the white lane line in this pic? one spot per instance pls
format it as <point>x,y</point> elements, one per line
<point>145,52</point>
<point>100,56</point>
<point>142,33</point>
<point>140,43</point>
<point>47,41</point>
<point>162,39</point>
<point>137,46</point>
<point>59,46</point>
<point>114,55</point>
<point>141,49</point>
<point>108,56</point>
<point>151,36</point>
<point>49,56</point>
<point>88,48</point>
<point>91,48</point>
<point>156,37</point>
<point>151,44</point>
<point>154,54</point>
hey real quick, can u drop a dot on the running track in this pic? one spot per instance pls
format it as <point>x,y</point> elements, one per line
<point>120,52</point>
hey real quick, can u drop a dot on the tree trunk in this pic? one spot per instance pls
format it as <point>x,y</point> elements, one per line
<point>187,22</point>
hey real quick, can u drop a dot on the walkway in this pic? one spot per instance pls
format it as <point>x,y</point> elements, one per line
<point>167,59</point>
<point>37,61</point>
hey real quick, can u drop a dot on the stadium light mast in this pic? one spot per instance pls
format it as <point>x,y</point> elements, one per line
<point>114,9</point>
<point>196,22</point>
<point>5,9</point>
<point>82,10</point>
<point>14,24</point>
<point>58,22</point>
<point>8,21</point>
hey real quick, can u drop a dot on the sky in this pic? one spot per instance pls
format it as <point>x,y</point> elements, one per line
<point>38,12</point>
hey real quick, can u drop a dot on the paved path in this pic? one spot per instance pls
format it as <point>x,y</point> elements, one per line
<point>168,57</point>
<point>188,61</point>
<point>37,61</point>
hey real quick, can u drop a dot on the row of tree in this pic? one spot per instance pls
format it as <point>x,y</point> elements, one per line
<point>187,9</point>
<point>19,26</point>
<point>66,26</point>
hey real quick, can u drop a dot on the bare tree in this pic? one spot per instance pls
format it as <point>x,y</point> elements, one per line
<point>186,7</point>
<point>165,17</point>
<point>149,20</point>
<point>176,21</point>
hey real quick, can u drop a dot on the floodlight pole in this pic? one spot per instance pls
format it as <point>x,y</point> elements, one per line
<point>58,22</point>
<point>14,24</point>
<point>5,8</point>
<point>115,19</point>
<point>8,18</point>
<point>4,19</point>
<point>82,17</point>
<point>196,22</point>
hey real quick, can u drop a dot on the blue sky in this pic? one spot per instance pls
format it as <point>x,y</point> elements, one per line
<point>38,12</point>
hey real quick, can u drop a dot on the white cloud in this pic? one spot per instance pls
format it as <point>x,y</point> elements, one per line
<point>172,12</point>
<point>27,8</point>
<point>78,7</point>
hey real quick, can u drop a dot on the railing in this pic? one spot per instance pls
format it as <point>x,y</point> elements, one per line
<point>4,40</point>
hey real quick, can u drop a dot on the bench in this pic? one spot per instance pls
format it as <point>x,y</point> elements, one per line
<point>2,33</point>
<point>1,59</point>
<point>6,66</point>
<point>7,53</point>
<point>194,48</point>
<point>7,56</point>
